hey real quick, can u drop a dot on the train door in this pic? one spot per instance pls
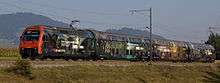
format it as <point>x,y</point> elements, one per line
<point>189,51</point>
<point>89,43</point>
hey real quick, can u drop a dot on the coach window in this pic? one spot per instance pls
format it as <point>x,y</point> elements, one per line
<point>117,51</point>
<point>70,39</point>
<point>127,52</point>
<point>87,34</point>
<point>131,52</point>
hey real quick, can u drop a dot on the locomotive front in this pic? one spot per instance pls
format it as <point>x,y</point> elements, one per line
<point>56,42</point>
<point>31,41</point>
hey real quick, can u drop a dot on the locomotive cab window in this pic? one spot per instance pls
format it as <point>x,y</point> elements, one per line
<point>31,35</point>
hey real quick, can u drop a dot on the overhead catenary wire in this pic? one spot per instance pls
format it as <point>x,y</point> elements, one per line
<point>90,22</point>
<point>111,25</point>
<point>3,10</point>
<point>69,19</point>
<point>73,10</point>
<point>169,32</point>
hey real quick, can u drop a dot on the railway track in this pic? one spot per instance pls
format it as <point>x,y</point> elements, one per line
<point>63,63</point>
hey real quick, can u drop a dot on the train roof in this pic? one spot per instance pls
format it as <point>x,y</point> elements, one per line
<point>120,37</point>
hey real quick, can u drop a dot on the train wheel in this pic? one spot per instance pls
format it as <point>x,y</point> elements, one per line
<point>143,60</point>
<point>67,59</point>
<point>42,58</point>
<point>74,59</point>
<point>32,58</point>
<point>24,56</point>
<point>209,60</point>
<point>94,56</point>
<point>52,58</point>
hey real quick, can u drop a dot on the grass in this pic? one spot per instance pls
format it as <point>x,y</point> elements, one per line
<point>9,52</point>
<point>91,73</point>
<point>21,67</point>
<point>119,74</point>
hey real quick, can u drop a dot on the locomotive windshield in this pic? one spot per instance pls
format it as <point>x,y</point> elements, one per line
<point>31,35</point>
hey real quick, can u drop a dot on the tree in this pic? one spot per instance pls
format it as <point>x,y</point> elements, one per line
<point>214,40</point>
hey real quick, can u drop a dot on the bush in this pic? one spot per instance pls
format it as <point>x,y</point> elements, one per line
<point>22,67</point>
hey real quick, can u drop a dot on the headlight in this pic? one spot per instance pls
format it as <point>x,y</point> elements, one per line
<point>81,47</point>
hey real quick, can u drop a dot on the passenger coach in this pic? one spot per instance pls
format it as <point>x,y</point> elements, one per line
<point>42,42</point>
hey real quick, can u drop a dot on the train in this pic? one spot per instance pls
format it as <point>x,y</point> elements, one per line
<point>42,42</point>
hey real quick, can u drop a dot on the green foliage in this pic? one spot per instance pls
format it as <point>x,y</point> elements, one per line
<point>21,67</point>
<point>214,40</point>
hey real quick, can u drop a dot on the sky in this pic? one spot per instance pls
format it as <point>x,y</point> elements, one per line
<point>185,20</point>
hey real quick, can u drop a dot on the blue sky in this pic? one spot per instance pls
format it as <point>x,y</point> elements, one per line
<point>186,20</point>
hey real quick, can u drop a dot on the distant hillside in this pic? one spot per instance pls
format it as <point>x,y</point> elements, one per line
<point>131,31</point>
<point>11,25</point>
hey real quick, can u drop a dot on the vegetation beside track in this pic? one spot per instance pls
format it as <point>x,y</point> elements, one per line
<point>9,53</point>
<point>96,72</point>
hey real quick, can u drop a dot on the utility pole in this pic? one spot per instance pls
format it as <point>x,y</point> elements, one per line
<point>151,49</point>
<point>150,28</point>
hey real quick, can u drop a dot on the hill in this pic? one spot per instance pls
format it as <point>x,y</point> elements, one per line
<point>137,32</point>
<point>11,26</point>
